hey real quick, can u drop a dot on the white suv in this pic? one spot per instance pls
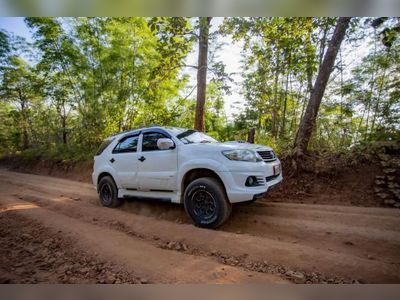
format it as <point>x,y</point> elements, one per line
<point>184,166</point>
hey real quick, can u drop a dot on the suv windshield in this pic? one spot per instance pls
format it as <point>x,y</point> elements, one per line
<point>190,136</point>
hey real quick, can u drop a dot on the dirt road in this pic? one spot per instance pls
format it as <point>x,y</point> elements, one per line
<point>154,242</point>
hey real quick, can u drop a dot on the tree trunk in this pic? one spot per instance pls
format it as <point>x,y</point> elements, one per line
<point>274,117</point>
<point>377,104</point>
<point>308,121</point>
<point>322,48</point>
<point>64,130</point>
<point>309,74</point>
<point>372,90</point>
<point>202,72</point>
<point>283,125</point>
<point>25,136</point>
<point>250,138</point>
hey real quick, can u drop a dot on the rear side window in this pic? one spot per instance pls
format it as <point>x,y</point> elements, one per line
<point>104,145</point>
<point>128,144</point>
<point>150,141</point>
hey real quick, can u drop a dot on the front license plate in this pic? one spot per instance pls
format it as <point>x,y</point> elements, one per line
<point>277,169</point>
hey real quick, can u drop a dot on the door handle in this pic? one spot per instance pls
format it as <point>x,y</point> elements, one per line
<point>142,158</point>
<point>112,160</point>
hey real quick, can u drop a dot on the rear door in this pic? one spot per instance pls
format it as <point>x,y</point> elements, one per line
<point>157,169</point>
<point>124,160</point>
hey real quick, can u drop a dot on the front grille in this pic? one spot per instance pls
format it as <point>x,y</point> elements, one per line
<point>267,155</point>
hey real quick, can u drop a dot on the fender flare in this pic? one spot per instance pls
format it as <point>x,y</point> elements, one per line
<point>200,163</point>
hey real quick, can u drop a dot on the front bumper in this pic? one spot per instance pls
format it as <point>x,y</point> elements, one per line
<point>273,182</point>
<point>237,191</point>
<point>258,196</point>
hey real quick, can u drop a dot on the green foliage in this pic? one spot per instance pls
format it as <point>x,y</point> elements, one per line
<point>4,46</point>
<point>282,57</point>
<point>281,53</point>
<point>83,79</point>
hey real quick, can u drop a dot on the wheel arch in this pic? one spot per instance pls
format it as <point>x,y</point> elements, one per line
<point>104,174</point>
<point>197,173</point>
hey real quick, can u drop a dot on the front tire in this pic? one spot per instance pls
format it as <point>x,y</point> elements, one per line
<point>206,202</point>
<point>108,192</point>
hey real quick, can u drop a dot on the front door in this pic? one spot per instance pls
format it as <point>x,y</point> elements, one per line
<point>157,169</point>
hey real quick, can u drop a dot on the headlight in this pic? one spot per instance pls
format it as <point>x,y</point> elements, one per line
<point>242,155</point>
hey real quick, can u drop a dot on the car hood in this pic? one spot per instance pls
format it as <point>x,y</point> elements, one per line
<point>230,146</point>
<point>244,145</point>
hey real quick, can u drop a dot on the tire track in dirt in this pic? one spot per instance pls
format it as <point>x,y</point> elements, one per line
<point>157,264</point>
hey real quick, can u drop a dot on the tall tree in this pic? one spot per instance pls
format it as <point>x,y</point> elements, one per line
<point>20,86</point>
<point>309,118</point>
<point>58,65</point>
<point>204,23</point>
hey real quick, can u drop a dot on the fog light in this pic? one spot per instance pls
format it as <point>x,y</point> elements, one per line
<point>251,181</point>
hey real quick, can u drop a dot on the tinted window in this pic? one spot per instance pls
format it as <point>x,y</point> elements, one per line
<point>150,141</point>
<point>128,144</point>
<point>104,145</point>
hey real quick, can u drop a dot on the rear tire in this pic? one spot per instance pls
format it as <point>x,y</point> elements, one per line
<point>108,192</point>
<point>206,203</point>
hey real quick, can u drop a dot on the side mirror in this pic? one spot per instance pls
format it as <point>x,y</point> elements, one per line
<point>164,144</point>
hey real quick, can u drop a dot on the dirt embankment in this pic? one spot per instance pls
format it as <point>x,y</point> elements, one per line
<point>79,171</point>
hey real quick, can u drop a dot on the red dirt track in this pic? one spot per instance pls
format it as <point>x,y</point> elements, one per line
<point>54,230</point>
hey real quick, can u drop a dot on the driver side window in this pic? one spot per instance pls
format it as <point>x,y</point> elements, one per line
<point>150,141</point>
